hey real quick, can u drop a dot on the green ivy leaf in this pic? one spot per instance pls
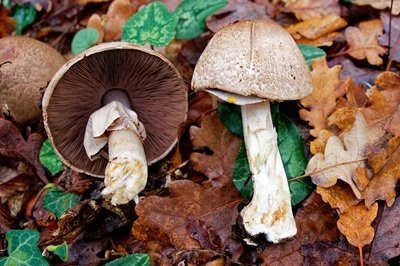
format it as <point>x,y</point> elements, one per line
<point>241,173</point>
<point>23,249</point>
<point>24,15</point>
<point>6,3</point>
<point>84,39</point>
<point>153,24</point>
<point>49,158</point>
<point>58,202</point>
<point>138,259</point>
<point>291,148</point>
<point>60,250</point>
<point>290,144</point>
<point>310,53</point>
<point>192,16</point>
<point>231,117</point>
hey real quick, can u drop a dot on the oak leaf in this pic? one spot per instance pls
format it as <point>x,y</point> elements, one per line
<point>325,169</point>
<point>385,164</point>
<point>220,150</point>
<point>321,103</point>
<point>363,41</point>
<point>355,224</point>
<point>315,28</point>
<point>359,75</point>
<point>192,216</point>
<point>316,221</point>
<point>379,4</point>
<point>306,9</point>
<point>338,196</point>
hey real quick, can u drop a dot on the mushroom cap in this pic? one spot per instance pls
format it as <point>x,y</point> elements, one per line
<point>156,91</point>
<point>32,64</point>
<point>253,58</point>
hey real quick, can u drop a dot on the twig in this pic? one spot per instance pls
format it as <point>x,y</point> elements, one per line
<point>390,60</point>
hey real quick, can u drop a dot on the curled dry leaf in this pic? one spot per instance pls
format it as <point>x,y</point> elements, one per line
<point>318,145</point>
<point>355,224</point>
<point>307,9</point>
<point>333,164</point>
<point>220,148</point>
<point>315,28</point>
<point>322,101</point>
<point>379,4</point>
<point>363,41</point>
<point>338,196</point>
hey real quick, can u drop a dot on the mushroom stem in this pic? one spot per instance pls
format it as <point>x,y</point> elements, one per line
<point>126,172</point>
<point>269,211</point>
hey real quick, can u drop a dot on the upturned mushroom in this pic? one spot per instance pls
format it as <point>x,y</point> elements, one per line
<point>26,67</point>
<point>250,63</point>
<point>117,93</point>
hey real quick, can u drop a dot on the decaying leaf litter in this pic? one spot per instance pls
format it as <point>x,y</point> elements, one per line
<point>339,144</point>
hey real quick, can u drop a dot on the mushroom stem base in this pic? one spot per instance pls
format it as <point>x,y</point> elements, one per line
<point>126,172</point>
<point>269,211</point>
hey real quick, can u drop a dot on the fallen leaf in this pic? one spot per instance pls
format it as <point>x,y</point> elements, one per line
<point>355,224</point>
<point>38,4</point>
<point>318,145</point>
<point>236,10</point>
<point>326,40</point>
<point>379,4</point>
<point>85,2</point>
<point>307,9</point>
<point>198,105</point>
<point>13,145</point>
<point>220,148</point>
<point>363,41</point>
<point>325,169</point>
<point>6,221</point>
<point>322,101</point>
<point>392,25</point>
<point>387,172</point>
<point>117,14</point>
<point>315,28</point>
<point>364,76</point>
<point>387,238</point>
<point>338,196</point>
<point>315,221</point>
<point>192,217</point>
<point>7,23</point>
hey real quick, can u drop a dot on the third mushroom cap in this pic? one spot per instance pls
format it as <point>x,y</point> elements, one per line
<point>112,110</point>
<point>249,63</point>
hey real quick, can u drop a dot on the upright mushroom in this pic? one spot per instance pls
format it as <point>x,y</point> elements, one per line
<point>250,63</point>
<point>126,95</point>
<point>26,67</point>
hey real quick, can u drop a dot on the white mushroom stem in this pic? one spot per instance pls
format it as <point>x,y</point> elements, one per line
<point>126,172</point>
<point>269,211</point>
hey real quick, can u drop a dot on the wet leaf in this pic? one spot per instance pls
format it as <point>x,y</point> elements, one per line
<point>192,16</point>
<point>355,224</point>
<point>363,41</point>
<point>231,116</point>
<point>310,53</point>
<point>23,248</point>
<point>137,259</point>
<point>84,39</point>
<point>241,174</point>
<point>220,148</point>
<point>58,202</point>
<point>153,24</point>
<point>24,15</point>
<point>60,250</point>
<point>50,159</point>
<point>322,101</point>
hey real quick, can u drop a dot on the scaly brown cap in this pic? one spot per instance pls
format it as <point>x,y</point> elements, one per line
<point>27,65</point>
<point>155,90</point>
<point>253,58</point>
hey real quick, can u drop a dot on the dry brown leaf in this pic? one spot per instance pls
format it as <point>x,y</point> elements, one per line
<point>359,75</point>
<point>321,103</point>
<point>315,28</point>
<point>385,164</point>
<point>379,4</point>
<point>307,9</point>
<point>318,145</point>
<point>7,24</point>
<point>218,161</point>
<point>384,102</point>
<point>85,2</point>
<point>192,217</point>
<point>338,196</point>
<point>355,224</point>
<point>316,221</point>
<point>326,40</point>
<point>363,41</point>
<point>333,164</point>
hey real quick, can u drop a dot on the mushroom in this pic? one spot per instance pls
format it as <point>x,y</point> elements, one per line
<point>117,93</point>
<point>26,66</point>
<point>250,63</point>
